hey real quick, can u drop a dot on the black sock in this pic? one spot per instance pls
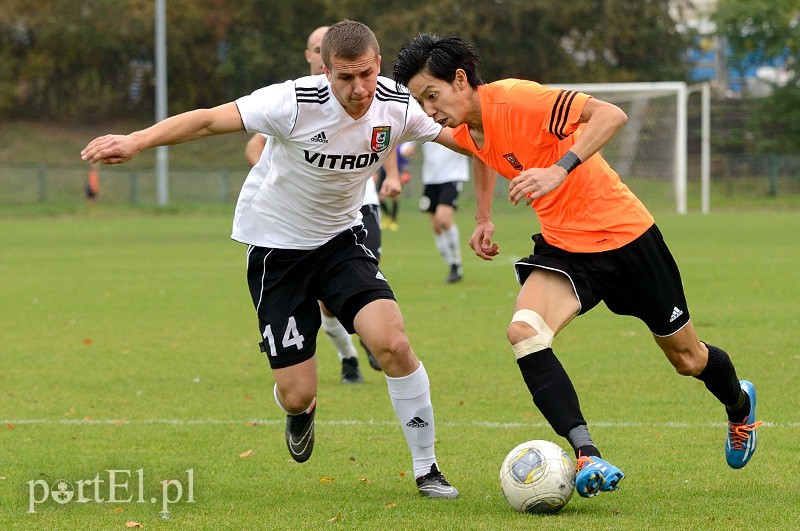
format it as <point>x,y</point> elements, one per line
<point>720,378</point>
<point>588,450</point>
<point>552,390</point>
<point>739,414</point>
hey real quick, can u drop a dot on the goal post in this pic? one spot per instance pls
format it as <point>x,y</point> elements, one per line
<point>705,145</point>
<point>651,151</point>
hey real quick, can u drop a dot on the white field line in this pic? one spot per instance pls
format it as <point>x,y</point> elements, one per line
<point>281,422</point>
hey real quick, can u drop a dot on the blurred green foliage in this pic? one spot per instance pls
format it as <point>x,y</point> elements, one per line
<point>762,32</point>
<point>91,60</point>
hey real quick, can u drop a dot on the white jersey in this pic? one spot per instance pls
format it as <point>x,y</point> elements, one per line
<point>443,165</point>
<point>310,185</point>
<point>370,190</point>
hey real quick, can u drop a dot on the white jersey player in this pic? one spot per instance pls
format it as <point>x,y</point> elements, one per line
<point>310,184</point>
<point>257,150</point>
<point>444,173</point>
<point>370,211</point>
<point>300,218</point>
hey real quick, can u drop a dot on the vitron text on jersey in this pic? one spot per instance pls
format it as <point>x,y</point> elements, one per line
<point>340,162</point>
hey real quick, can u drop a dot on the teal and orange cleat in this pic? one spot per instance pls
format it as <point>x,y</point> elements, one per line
<point>594,475</point>
<point>742,436</point>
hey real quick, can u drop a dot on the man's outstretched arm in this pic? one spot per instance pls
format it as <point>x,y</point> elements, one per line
<point>191,125</point>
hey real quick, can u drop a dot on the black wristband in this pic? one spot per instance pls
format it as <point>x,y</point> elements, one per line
<point>569,161</point>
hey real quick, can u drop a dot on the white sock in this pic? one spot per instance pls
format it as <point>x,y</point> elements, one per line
<point>411,400</point>
<point>441,246</point>
<point>339,337</point>
<point>453,245</point>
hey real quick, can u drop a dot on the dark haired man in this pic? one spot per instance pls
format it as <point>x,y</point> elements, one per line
<point>598,241</point>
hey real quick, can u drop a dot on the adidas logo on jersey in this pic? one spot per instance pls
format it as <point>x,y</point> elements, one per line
<point>676,312</point>
<point>416,422</point>
<point>380,276</point>
<point>320,137</point>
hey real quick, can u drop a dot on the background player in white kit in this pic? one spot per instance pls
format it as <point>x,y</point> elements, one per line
<point>299,215</point>
<point>370,210</point>
<point>444,173</point>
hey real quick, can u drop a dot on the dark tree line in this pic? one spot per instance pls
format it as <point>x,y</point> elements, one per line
<point>84,60</point>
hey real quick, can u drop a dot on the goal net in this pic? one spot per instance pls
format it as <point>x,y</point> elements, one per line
<point>650,153</point>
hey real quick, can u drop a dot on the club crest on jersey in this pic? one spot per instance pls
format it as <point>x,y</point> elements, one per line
<point>380,138</point>
<point>512,159</point>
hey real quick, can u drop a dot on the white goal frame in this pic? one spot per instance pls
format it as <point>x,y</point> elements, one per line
<point>681,92</point>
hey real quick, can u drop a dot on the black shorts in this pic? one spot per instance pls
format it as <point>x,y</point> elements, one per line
<point>440,194</point>
<point>639,279</point>
<point>372,224</point>
<point>286,284</point>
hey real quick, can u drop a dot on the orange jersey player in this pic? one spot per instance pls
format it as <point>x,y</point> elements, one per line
<point>579,215</point>
<point>598,241</point>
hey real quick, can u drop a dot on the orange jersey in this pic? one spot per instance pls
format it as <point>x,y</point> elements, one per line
<point>527,125</point>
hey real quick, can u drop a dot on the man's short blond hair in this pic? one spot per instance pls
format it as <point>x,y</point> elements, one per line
<point>348,40</point>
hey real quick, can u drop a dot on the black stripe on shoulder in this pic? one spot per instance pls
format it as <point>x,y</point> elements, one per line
<point>312,94</point>
<point>311,90</point>
<point>313,100</point>
<point>392,91</point>
<point>558,116</point>
<point>567,108</point>
<point>383,97</point>
<point>550,129</point>
<point>379,97</point>
<point>557,112</point>
<point>384,94</point>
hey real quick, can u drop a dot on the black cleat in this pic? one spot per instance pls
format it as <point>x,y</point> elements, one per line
<point>351,374</point>
<point>300,434</point>
<point>372,361</point>
<point>456,274</point>
<point>433,485</point>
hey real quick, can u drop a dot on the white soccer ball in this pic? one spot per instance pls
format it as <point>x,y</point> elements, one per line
<point>537,477</point>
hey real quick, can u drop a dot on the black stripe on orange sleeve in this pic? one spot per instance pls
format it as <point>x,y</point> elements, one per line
<point>551,129</point>
<point>563,123</point>
<point>562,112</point>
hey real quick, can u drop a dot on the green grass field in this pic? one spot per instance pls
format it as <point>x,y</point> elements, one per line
<point>129,343</point>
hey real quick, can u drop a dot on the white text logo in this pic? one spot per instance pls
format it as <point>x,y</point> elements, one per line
<point>115,486</point>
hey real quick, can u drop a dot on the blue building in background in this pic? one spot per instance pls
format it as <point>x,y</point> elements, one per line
<point>709,59</point>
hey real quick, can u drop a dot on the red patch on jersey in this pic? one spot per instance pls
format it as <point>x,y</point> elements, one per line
<point>512,159</point>
<point>380,138</point>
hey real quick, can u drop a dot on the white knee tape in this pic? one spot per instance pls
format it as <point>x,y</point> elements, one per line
<point>543,338</point>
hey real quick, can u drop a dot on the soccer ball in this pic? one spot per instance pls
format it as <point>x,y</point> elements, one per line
<point>537,477</point>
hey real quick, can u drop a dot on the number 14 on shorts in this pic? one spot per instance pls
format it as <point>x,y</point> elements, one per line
<point>291,338</point>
